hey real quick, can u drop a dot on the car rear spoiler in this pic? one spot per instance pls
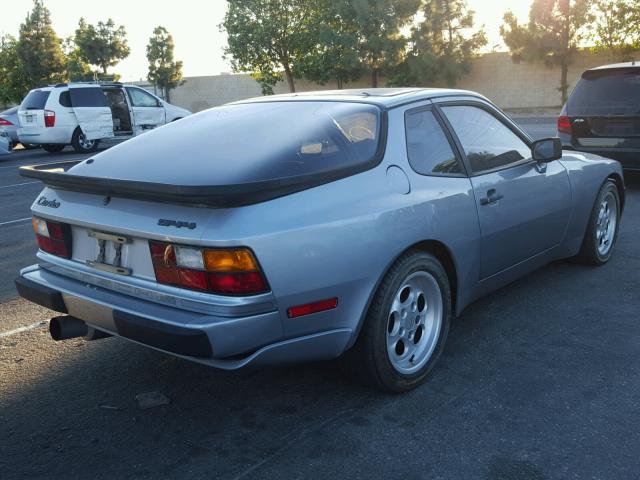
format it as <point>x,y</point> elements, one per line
<point>218,196</point>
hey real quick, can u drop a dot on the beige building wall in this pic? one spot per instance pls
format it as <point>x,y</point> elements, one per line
<point>510,85</point>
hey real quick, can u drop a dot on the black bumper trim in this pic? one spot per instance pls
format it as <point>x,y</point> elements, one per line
<point>44,296</point>
<point>183,341</point>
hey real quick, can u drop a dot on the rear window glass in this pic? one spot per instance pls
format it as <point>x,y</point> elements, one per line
<point>87,97</point>
<point>606,93</point>
<point>265,141</point>
<point>35,100</point>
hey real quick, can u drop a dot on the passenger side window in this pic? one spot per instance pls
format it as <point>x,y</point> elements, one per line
<point>140,98</point>
<point>428,148</point>
<point>487,142</point>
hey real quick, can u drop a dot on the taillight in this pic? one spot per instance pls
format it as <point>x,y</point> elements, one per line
<point>233,271</point>
<point>4,122</point>
<point>49,118</point>
<point>53,237</point>
<point>564,125</point>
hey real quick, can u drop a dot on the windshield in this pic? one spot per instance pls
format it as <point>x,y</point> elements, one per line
<point>35,100</point>
<point>606,93</point>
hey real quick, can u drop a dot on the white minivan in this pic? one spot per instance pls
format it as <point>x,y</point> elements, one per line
<point>82,114</point>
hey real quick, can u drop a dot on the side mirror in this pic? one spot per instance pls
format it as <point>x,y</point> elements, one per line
<point>547,150</point>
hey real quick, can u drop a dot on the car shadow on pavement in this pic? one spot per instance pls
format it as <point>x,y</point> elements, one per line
<point>534,378</point>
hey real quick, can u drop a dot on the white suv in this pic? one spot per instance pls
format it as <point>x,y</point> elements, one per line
<point>81,114</point>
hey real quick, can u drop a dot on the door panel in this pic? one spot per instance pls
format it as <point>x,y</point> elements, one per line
<point>523,207</point>
<point>92,111</point>
<point>522,213</point>
<point>148,113</point>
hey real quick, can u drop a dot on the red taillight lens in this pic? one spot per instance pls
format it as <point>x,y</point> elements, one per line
<point>4,122</point>
<point>49,118</point>
<point>222,271</point>
<point>564,124</point>
<point>53,237</point>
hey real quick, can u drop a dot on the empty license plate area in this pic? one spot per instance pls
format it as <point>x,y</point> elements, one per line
<point>111,251</point>
<point>98,249</point>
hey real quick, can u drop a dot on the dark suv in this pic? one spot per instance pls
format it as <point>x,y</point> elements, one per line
<point>602,114</point>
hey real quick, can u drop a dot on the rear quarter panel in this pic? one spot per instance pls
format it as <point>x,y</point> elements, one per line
<point>587,172</point>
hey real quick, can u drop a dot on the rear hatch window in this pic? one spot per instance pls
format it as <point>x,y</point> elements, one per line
<point>605,107</point>
<point>35,100</point>
<point>250,143</point>
<point>605,93</point>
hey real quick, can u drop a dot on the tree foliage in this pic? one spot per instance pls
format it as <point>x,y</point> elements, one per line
<point>102,45</point>
<point>14,82</point>
<point>553,34</point>
<point>39,50</point>
<point>164,72</point>
<point>267,37</point>
<point>376,25</point>
<point>442,45</point>
<point>616,26</point>
<point>333,54</point>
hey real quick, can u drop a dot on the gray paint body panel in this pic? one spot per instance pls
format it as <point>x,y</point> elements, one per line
<point>337,240</point>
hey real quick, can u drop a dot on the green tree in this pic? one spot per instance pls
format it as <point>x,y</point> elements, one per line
<point>14,82</point>
<point>77,70</point>
<point>102,45</point>
<point>334,54</point>
<point>442,45</point>
<point>39,48</point>
<point>164,72</point>
<point>616,26</point>
<point>377,24</point>
<point>554,32</point>
<point>268,38</point>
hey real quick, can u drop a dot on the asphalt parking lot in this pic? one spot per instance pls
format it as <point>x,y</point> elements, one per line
<point>540,380</point>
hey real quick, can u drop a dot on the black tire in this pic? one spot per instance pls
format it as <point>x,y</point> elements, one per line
<point>369,359</point>
<point>53,147</point>
<point>590,253</point>
<point>81,145</point>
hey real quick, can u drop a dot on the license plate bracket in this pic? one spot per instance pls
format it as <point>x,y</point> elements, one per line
<point>104,239</point>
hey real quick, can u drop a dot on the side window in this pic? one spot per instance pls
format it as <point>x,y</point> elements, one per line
<point>65,99</point>
<point>487,142</point>
<point>87,97</point>
<point>140,98</point>
<point>428,148</point>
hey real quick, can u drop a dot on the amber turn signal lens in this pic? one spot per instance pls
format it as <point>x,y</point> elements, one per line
<point>236,260</point>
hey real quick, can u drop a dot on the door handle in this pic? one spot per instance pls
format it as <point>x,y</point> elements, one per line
<point>492,197</point>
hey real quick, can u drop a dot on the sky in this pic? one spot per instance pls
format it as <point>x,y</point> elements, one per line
<point>194,26</point>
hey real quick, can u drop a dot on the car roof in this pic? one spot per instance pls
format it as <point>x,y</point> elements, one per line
<point>384,97</point>
<point>616,66</point>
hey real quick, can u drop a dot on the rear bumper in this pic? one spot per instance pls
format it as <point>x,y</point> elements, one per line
<point>222,342</point>
<point>629,158</point>
<point>52,135</point>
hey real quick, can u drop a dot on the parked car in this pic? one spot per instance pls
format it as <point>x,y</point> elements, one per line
<point>303,227</point>
<point>82,114</point>
<point>9,124</point>
<point>602,114</point>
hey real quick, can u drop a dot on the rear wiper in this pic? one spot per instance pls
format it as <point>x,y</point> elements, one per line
<point>33,108</point>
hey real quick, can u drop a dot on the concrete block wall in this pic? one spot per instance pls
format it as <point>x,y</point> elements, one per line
<point>511,85</point>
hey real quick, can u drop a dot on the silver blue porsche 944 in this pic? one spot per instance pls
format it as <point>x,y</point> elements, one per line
<point>304,227</point>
